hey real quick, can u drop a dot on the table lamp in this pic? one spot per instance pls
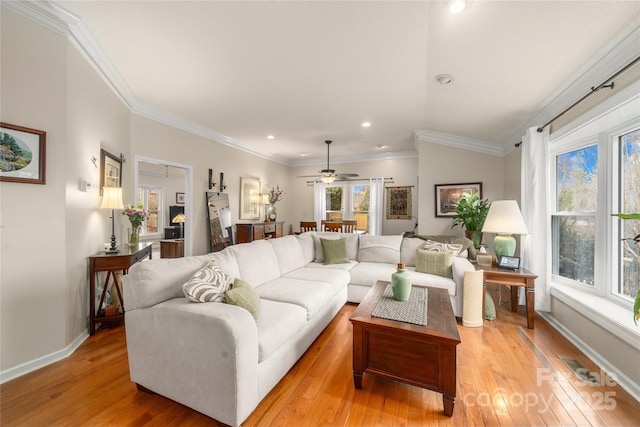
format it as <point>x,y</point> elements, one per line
<point>505,219</point>
<point>180,219</point>
<point>264,200</point>
<point>112,199</point>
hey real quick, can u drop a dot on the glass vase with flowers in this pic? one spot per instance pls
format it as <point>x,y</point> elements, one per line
<point>137,215</point>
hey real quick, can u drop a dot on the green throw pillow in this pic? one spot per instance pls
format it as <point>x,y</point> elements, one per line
<point>438,263</point>
<point>489,307</point>
<point>334,251</point>
<point>243,295</point>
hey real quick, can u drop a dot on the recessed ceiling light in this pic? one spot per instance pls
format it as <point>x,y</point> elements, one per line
<point>444,79</point>
<point>456,6</point>
<point>304,154</point>
<point>271,137</point>
<point>366,124</point>
<point>380,147</point>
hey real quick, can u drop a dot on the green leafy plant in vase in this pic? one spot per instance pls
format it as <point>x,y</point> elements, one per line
<point>636,303</point>
<point>471,211</point>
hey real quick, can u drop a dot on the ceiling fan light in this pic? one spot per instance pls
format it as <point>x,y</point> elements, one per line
<point>328,179</point>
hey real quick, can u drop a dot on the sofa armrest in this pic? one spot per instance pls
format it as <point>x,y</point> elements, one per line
<point>203,355</point>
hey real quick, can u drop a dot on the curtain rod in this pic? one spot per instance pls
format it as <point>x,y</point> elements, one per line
<point>594,89</point>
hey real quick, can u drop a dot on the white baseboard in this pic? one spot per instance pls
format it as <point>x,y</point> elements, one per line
<point>41,362</point>
<point>621,379</point>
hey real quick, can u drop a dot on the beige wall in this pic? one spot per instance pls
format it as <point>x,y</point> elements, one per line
<point>404,172</point>
<point>440,164</point>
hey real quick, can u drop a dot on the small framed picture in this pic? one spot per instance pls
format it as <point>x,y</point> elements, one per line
<point>110,170</point>
<point>448,196</point>
<point>509,262</point>
<point>22,154</point>
<point>180,198</point>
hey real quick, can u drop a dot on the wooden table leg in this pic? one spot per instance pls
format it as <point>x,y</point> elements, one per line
<point>514,298</point>
<point>530,294</point>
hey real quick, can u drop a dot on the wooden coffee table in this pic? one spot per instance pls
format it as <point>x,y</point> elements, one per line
<point>422,356</point>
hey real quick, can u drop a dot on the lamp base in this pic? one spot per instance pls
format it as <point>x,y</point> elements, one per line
<point>504,244</point>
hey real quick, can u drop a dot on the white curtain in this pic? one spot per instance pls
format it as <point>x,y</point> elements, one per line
<point>535,209</point>
<point>319,202</point>
<point>376,205</point>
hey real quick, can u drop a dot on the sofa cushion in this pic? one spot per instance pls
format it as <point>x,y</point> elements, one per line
<point>433,262</point>
<point>338,278</point>
<point>452,248</point>
<point>227,262</point>
<point>243,295</point>
<point>308,248</point>
<point>408,250</point>
<point>257,262</point>
<point>313,296</point>
<point>368,273</point>
<point>352,243</point>
<point>318,244</point>
<point>159,280</point>
<point>334,251</point>
<point>277,324</point>
<point>289,253</point>
<point>432,280</point>
<point>381,249</point>
<point>208,284</point>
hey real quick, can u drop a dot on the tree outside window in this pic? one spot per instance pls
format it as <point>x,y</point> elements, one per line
<point>629,282</point>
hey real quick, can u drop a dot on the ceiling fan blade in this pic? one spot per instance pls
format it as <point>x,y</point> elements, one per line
<point>348,175</point>
<point>309,176</point>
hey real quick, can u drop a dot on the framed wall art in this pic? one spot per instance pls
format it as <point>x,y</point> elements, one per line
<point>22,154</point>
<point>249,198</point>
<point>180,198</point>
<point>398,202</point>
<point>110,170</point>
<point>448,195</point>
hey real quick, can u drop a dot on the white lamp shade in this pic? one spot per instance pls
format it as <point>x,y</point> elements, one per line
<point>111,198</point>
<point>504,217</point>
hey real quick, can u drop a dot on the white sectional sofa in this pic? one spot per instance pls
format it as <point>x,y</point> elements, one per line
<point>215,357</point>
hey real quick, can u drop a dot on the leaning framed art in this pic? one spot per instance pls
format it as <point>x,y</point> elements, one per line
<point>22,154</point>
<point>448,195</point>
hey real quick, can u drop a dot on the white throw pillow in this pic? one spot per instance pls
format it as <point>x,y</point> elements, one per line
<point>209,284</point>
<point>452,248</point>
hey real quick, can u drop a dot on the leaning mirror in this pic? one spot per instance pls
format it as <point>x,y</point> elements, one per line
<point>219,216</point>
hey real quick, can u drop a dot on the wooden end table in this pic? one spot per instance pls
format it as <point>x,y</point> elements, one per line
<point>422,356</point>
<point>513,278</point>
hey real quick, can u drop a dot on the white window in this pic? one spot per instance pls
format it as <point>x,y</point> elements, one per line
<point>629,202</point>
<point>594,174</point>
<point>151,199</point>
<point>348,201</point>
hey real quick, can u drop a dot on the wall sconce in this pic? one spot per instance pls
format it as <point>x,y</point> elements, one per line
<point>212,180</point>
<point>223,183</point>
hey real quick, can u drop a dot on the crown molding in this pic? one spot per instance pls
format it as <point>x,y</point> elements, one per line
<point>63,22</point>
<point>461,142</point>
<point>355,159</point>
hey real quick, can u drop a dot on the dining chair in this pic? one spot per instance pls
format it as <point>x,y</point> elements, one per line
<point>349,226</point>
<point>308,226</point>
<point>332,226</point>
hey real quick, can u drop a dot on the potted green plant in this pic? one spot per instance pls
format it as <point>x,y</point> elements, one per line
<point>636,303</point>
<point>471,211</point>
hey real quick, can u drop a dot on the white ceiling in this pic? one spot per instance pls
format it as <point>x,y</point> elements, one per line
<point>306,71</point>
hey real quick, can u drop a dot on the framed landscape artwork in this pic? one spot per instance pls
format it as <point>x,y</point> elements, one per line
<point>22,154</point>
<point>398,202</point>
<point>448,195</point>
<point>110,170</point>
<point>249,198</point>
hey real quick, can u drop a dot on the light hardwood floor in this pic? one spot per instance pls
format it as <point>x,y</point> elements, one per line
<point>508,375</point>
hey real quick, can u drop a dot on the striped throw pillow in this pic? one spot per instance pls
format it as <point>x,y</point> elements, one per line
<point>207,285</point>
<point>452,248</point>
<point>432,262</point>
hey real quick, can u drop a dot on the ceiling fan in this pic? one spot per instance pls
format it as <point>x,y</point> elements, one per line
<point>329,175</point>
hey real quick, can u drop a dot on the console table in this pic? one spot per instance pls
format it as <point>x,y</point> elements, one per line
<point>246,233</point>
<point>513,278</point>
<point>112,264</point>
